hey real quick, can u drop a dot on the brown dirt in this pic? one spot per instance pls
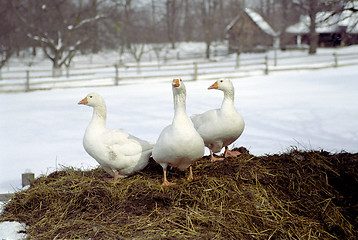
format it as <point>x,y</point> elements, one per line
<point>294,195</point>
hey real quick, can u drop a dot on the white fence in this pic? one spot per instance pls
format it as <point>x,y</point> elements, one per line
<point>109,75</point>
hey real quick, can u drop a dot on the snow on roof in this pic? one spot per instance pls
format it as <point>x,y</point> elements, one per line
<point>228,27</point>
<point>350,20</point>
<point>353,4</point>
<point>327,23</point>
<point>301,27</point>
<point>257,18</point>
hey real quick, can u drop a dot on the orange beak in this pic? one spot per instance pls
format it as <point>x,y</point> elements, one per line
<point>176,82</point>
<point>214,86</point>
<point>83,101</point>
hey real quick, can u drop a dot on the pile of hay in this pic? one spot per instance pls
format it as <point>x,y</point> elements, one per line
<point>295,195</point>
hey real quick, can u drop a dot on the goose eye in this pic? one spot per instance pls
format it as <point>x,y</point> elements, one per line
<point>90,96</point>
<point>221,80</point>
<point>181,80</point>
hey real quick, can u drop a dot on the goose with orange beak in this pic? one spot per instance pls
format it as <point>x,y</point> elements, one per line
<point>119,153</point>
<point>179,144</point>
<point>220,127</point>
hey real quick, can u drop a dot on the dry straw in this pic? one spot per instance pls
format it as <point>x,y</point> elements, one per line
<point>295,195</point>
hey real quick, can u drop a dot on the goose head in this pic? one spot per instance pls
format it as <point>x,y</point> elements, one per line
<point>178,85</point>
<point>179,95</point>
<point>223,85</point>
<point>93,100</point>
<point>97,102</point>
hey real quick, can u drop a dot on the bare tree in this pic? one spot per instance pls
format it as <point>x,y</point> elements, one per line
<point>187,28</point>
<point>208,18</point>
<point>312,8</point>
<point>280,14</point>
<point>6,47</point>
<point>10,34</point>
<point>60,27</point>
<point>137,50</point>
<point>158,49</point>
<point>127,23</point>
<point>172,14</point>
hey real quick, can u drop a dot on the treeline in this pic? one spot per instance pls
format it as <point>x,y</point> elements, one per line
<point>62,28</point>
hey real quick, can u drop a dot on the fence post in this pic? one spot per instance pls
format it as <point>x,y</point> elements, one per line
<point>67,71</point>
<point>195,71</point>
<point>266,65</point>
<point>116,78</point>
<point>237,62</point>
<point>335,59</point>
<point>27,178</point>
<point>27,85</point>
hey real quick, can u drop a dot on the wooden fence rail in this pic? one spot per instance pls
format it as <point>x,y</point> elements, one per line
<point>114,75</point>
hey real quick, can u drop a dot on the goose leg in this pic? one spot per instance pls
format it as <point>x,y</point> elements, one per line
<point>229,153</point>
<point>190,177</point>
<point>116,173</point>
<point>116,176</point>
<point>111,172</point>
<point>213,158</point>
<point>166,182</point>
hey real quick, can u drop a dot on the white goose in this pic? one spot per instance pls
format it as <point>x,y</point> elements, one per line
<point>119,153</point>
<point>220,127</point>
<point>179,144</point>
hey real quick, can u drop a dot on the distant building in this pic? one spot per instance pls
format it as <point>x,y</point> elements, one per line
<point>333,30</point>
<point>249,32</point>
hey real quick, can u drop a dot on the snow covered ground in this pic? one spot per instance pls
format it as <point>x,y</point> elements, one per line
<point>43,130</point>
<point>11,230</point>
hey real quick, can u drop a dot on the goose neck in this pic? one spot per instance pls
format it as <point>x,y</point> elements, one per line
<point>179,102</point>
<point>99,115</point>
<point>179,107</point>
<point>228,102</point>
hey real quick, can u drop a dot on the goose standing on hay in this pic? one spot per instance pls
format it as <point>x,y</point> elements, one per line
<point>119,153</point>
<point>220,127</point>
<point>179,144</point>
